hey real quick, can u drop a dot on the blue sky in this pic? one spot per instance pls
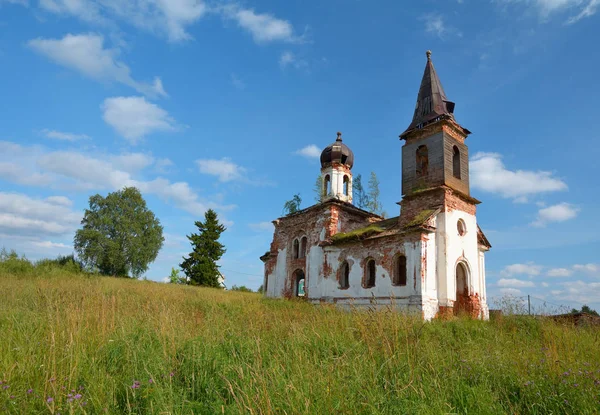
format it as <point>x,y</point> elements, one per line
<point>227,104</point>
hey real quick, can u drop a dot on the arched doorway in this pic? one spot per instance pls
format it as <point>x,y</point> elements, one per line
<point>462,302</point>
<point>298,281</point>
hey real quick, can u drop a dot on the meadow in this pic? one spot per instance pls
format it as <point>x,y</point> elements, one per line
<point>72,343</point>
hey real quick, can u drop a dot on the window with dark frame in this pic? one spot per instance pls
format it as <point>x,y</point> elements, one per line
<point>399,276</point>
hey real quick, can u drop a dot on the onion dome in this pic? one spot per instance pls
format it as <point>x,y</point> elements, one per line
<point>337,152</point>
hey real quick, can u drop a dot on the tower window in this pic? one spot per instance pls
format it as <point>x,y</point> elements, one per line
<point>327,185</point>
<point>296,249</point>
<point>345,275</point>
<point>369,280</point>
<point>456,162</point>
<point>346,185</point>
<point>399,274</point>
<point>462,227</point>
<point>422,161</point>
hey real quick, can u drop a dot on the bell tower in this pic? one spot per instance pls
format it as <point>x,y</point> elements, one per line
<point>435,153</point>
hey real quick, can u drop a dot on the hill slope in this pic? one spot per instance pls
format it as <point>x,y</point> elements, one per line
<point>71,343</point>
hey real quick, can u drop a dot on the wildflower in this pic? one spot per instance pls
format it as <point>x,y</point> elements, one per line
<point>49,400</point>
<point>150,381</point>
<point>136,385</point>
<point>576,384</point>
<point>78,396</point>
<point>12,396</point>
<point>171,374</point>
<point>29,391</point>
<point>5,387</point>
<point>52,380</point>
<point>81,387</point>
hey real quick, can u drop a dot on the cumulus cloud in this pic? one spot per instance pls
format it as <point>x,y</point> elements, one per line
<point>488,173</point>
<point>511,292</point>
<point>23,215</point>
<point>514,283</point>
<point>591,269</point>
<point>559,272</point>
<point>263,27</point>
<point>522,269</point>
<point>556,213</point>
<point>224,169</point>
<point>310,151</point>
<point>50,244</point>
<point>60,201</point>
<point>86,54</point>
<point>60,135</point>
<point>169,18</point>
<point>134,117</point>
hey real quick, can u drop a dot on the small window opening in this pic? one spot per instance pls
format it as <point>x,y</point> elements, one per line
<point>422,161</point>
<point>296,249</point>
<point>345,275</point>
<point>346,185</point>
<point>462,227</point>
<point>299,281</point>
<point>370,274</point>
<point>303,247</point>
<point>399,276</point>
<point>456,162</point>
<point>344,158</point>
<point>327,185</point>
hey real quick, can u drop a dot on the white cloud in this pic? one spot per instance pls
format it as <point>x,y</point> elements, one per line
<point>134,117</point>
<point>23,215</point>
<point>224,169</point>
<point>580,292</point>
<point>263,27</point>
<point>591,269</point>
<point>435,25</point>
<point>18,173</point>
<point>132,162</point>
<point>559,272</point>
<point>60,135</point>
<point>511,292</point>
<point>546,8</point>
<point>86,54</point>
<point>556,213</point>
<point>310,151</point>
<point>522,269</point>
<point>288,58</point>
<point>514,283</point>
<point>165,17</point>
<point>60,201</point>
<point>50,244</point>
<point>489,174</point>
<point>545,285</point>
<point>261,226</point>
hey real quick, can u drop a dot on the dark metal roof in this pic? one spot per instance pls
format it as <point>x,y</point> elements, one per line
<point>337,152</point>
<point>431,101</point>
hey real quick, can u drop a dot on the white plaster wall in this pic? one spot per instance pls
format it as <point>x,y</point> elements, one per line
<point>451,248</point>
<point>276,280</point>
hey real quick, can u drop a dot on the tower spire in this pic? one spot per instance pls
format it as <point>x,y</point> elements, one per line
<point>431,101</point>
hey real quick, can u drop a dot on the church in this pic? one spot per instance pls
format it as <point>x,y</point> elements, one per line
<point>429,260</point>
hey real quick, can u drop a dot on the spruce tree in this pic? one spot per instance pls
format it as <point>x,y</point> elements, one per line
<point>319,189</point>
<point>200,267</point>
<point>374,204</point>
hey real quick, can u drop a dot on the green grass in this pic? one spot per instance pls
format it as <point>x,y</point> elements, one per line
<point>211,352</point>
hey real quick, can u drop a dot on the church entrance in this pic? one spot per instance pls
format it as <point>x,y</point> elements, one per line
<point>461,305</point>
<point>298,279</point>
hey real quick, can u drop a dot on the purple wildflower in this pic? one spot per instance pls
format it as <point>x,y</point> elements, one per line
<point>29,391</point>
<point>70,400</point>
<point>136,385</point>
<point>5,387</point>
<point>12,396</point>
<point>80,387</point>
<point>150,381</point>
<point>78,396</point>
<point>171,374</point>
<point>49,400</point>
<point>576,384</point>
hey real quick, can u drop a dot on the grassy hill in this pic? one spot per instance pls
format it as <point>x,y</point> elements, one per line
<point>71,343</point>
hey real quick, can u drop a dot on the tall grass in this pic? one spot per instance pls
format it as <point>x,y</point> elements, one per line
<point>70,343</point>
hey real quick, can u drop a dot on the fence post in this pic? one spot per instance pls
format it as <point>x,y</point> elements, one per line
<point>529,303</point>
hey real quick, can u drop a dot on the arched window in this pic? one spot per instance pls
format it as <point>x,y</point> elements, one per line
<point>296,249</point>
<point>369,280</point>
<point>303,243</point>
<point>462,289</point>
<point>399,274</point>
<point>327,185</point>
<point>422,161</point>
<point>344,275</point>
<point>456,162</point>
<point>346,186</point>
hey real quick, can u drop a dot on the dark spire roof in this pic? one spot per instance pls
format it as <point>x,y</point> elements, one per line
<point>431,102</point>
<point>337,152</point>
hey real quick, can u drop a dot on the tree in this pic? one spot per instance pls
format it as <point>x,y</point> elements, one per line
<point>120,235</point>
<point>261,289</point>
<point>585,309</point>
<point>374,204</point>
<point>241,288</point>
<point>361,198</point>
<point>200,267</point>
<point>292,206</point>
<point>175,278</point>
<point>319,189</point>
